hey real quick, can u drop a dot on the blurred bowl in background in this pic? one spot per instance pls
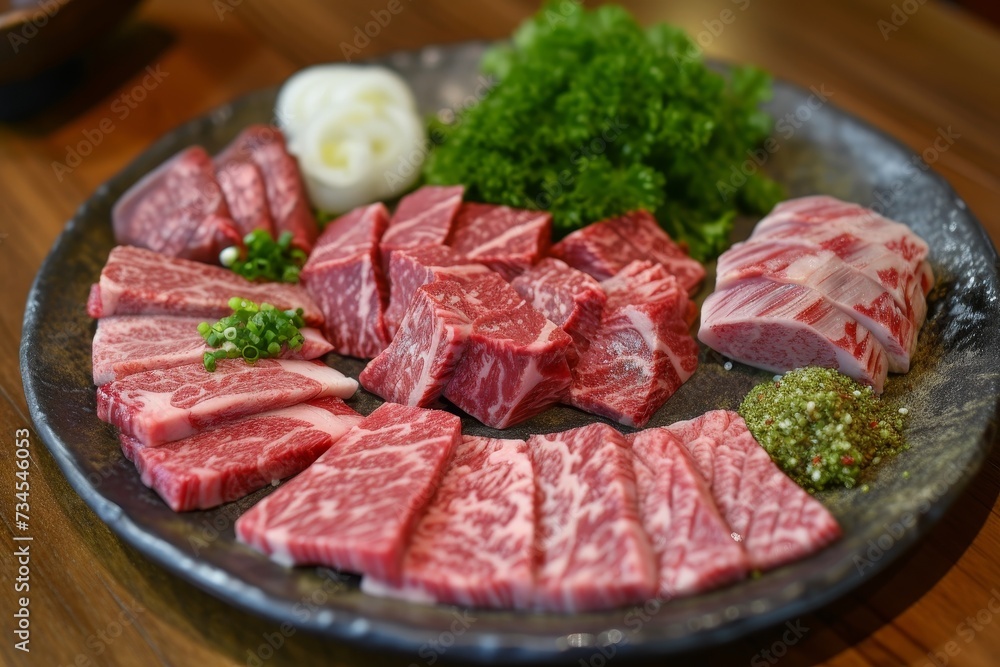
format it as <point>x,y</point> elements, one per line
<point>39,35</point>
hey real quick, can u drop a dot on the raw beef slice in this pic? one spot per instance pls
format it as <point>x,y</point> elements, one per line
<point>643,350</point>
<point>514,367</point>
<point>419,362</point>
<point>411,268</point>
<point>243,186</point>
<point>838,226</point>
<point>781,327</point>
<point>229,462</point>
<point>592,551</point>
<point>852,291</point>
<point>136,281</point>
<point>776,521</point>
<point>475,544</point>
<point>127,344</point>
<point>177,209</point>
<point>160,406</point>
<point>568,297</point>
<point>287,201</point>
<point>423,218</point>
<point>604,248</point>
<point>694,550</point>
<point>355,507</point>
<point>344,275</point>
<point>508,240</point>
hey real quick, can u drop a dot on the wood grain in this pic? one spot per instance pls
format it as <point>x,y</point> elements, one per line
<point>95,601</point>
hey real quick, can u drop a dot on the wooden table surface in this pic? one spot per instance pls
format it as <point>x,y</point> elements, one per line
<point>96,601</point>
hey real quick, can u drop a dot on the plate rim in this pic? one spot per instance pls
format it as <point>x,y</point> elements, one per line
<point>220,583</point>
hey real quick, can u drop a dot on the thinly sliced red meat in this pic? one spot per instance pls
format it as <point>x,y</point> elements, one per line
<point>356,506</point>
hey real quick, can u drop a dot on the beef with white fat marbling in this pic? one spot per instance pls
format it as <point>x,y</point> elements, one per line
<point>233,460</point>
<point>393,460</point>
<point>164,405</point>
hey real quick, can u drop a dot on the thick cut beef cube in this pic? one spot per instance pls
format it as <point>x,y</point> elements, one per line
<point>514,367</point>
<point>643,350</point>
<point>411,268</point>
<point>604,248</point>
<point>344,275</point>
<point>568,297</point>
<point>423,218</point>
<point>421,359</point>
<point>508,240</point>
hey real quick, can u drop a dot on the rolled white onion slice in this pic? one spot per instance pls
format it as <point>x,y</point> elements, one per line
<point>315,90</point>
<point>351,153</point>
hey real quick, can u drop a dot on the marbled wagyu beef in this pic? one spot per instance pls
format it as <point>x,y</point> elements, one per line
<point>422,218</point>
<point>474,545</point>
<point>821,282</point>
<point>604,248</point>
<point>642,352</point>
<point>160,406</point>
<point>288,204</point>
<point>508,240</point>
<point>237,458</point>
<point>127,344</point>
<point>136,281</point>
<point>178,210</point>
<point>356,506</point>
<point>344,275</point>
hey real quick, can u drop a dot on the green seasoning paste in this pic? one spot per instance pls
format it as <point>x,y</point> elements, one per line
<point>821,427</point>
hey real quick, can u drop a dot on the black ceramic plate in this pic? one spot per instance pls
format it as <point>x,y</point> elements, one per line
<point>951,392</point>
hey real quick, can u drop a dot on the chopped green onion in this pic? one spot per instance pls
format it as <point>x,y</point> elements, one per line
<point>252,332</point>
<point>264,259</point>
